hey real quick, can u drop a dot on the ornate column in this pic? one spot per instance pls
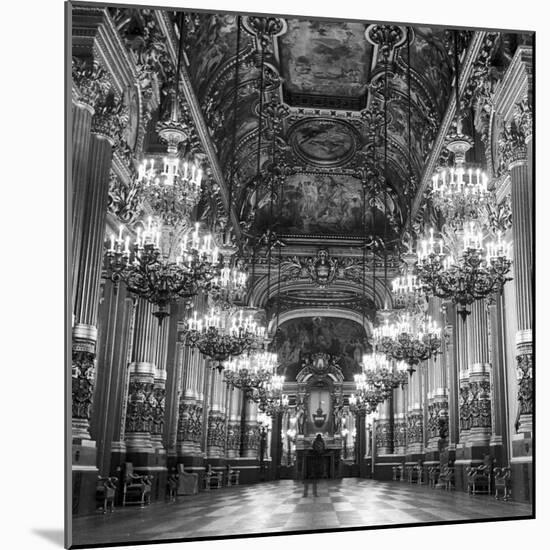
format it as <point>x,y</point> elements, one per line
<point>233,442</point>
<point>384,432</point>
<point>400,421</point>
<point>159,389</point>
<point>479,380</point>
<point>215,441</point>
<point>89,83</point>
<point>140,404</point>
<point>107,125</point>
<point>450,352</point>
<point>250,431</point>
<point>415,419</point>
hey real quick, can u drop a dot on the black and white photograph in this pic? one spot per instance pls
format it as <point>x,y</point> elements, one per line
<point>299,279</point>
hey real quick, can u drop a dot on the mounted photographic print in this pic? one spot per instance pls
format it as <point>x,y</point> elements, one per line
<point>300,274</point>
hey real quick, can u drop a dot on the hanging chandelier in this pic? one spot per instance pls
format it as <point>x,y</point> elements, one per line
<point>460,192</point>
<point>412,339</point>
<point>250,373</point>
<point>231,284</point>
<point>368,396</point>
<point>222,334</point>
<point>384,373</point>
<point>159,267</point>
<point>272,401</point>
<point>468,275</point>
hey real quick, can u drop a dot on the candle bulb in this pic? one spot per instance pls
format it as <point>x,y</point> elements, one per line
<point>112,242</point>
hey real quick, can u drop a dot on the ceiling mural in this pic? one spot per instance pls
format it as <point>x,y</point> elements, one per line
<point>323,142</point>
<point>325,57</point>
<point>339,337</point>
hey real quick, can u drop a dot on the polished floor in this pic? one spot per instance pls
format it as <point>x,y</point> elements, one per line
<point>280,506</point>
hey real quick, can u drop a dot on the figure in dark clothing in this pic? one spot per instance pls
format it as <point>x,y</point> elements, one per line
<point>314,464</point>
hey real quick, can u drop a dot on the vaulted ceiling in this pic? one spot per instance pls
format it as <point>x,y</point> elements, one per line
<point>324,85</point>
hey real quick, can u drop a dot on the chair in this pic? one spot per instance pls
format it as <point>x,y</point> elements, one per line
<point>397,473</point>
<point>188,483</point>
<point>446,477</point>
<point>433,476</point>
<point>503,478</point>
<point>232,476</point>
<point>106,492</point>
<point>172,486</point>
<point>415,473</point>
<point>479,479</point>
<point>137,488</point>
<point>212,479</point>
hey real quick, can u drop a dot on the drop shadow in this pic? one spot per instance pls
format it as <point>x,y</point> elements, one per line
<point>57,536</point>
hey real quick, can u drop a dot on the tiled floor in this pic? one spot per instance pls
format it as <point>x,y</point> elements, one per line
<point>279,506</point>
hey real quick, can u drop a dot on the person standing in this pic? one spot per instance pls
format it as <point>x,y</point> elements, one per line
<point>314,464</point>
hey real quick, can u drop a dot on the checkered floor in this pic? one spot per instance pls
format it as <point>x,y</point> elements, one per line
<point>280,506</point>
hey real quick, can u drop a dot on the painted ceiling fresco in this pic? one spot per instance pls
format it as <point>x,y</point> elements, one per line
<point>328,58</point>
<point>341,337</point>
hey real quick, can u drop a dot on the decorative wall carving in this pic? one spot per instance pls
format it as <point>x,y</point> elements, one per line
<point>480,404</point>
<point>438,420</point>
<point>83,368</point>
<point>139,412</point>
<point>524,368</point>
<point>125,199</point>
<point>233,436</point>
<point>190,422</point>
<point>250,437</point>
<point>91,80</point>
<point>512,147</point>
<point>464,407</point>
<point>216,430</point>
<point>399,433</point>
<point>415,430</point>
<point>110,119</point>
<point>157,401</point>
<point>384,435</point>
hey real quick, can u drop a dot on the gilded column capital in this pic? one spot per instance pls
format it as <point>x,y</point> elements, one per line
<point>110,119</point>
<point>523,118</point>
<point>91,82</point>
<point>512,147</point>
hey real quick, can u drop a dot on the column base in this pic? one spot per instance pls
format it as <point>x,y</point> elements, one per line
<point>522,479</point>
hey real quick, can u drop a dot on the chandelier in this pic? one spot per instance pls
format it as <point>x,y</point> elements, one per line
<point>384,373</point>
<point>160,268</point>
<point>222,334</point>
<point>411,339</point>
<point>250,373</point>
<point>231,283</point>
<point>368,396</point>
<point>471,275</point>
<point>272,401</point>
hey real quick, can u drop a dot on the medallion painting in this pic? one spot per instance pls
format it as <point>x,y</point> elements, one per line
<point>335,336</point>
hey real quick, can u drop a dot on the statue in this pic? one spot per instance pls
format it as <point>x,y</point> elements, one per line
<point>300,418</point>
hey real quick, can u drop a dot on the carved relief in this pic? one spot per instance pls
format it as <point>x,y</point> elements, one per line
<point>139,412</point>
<point>190,422</point>
<point>511,147</point>
<point>251,438</point>
<point>92,81</point>
<point>384,435</point>
<point>400,433</point>
<point>158,400</point>
<point>524,368</point>
<point>415,430</point>
<point>110,119</point>
<point>233,436</point>
<point>125,199</point>
<point>83,366</point>
<point>464,407</point>
<point>216,430</point>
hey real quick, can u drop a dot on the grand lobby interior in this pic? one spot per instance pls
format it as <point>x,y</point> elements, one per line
<point>300,274</point>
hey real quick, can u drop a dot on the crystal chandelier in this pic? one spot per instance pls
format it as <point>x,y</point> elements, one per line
<point>384,373</point>
<point>471,275</point>
<point>160,268</point>
<point>231,283</point>
<point>368,396</point>
<point>411,339</point>
<point>222,334</point>
<point>272,401</point>
<point>250,373</point>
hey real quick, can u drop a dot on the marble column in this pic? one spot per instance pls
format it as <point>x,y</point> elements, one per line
<point>415,418</point>
<point>250,443</point>
<point>400,420</point>
<point>105,128</point>
<point>450,351</point>
<point>384,432</point>
<point>141,400</point>
<point>233,434</point>
<point>216,434</point>
<point>479,378</point>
